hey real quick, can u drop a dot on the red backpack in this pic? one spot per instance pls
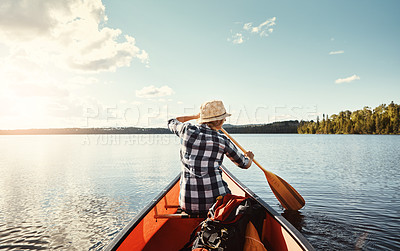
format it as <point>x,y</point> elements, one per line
<point>229,209</point>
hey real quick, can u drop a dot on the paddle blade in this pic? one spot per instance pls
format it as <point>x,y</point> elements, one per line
<point>289,198</point>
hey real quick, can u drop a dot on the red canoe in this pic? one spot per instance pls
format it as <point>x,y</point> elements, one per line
<point>160,227</point>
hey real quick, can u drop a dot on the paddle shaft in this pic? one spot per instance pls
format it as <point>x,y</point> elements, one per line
<point>241,148</point>
<point>284,192</point>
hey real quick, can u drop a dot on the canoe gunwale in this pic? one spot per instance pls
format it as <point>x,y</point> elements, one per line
<point>116,242</point>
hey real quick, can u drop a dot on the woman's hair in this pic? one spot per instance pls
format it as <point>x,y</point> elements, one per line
<point>214,123</point>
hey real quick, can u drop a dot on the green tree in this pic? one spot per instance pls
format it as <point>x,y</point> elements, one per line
<point>369,120</point>
<point>381,120</point>
<point>393,114</point>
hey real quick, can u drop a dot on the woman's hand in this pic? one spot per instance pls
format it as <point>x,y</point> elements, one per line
<point>250,155</point>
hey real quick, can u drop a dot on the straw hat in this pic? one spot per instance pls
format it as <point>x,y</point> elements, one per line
<point>212,111</point>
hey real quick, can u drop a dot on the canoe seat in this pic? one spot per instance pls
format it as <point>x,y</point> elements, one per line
<point>180,214</point>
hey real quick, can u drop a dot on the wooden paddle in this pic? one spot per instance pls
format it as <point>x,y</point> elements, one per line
<point>288,197</point>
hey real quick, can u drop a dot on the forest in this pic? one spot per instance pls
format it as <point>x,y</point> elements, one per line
<point>275,127</point>
<point>384,119</point>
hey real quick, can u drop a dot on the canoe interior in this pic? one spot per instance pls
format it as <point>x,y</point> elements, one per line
<point>146,232</point>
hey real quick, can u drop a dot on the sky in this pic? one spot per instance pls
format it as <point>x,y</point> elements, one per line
<point>114,63</point>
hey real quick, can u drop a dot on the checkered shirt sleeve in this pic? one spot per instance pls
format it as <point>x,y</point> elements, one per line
<point>202,152</point>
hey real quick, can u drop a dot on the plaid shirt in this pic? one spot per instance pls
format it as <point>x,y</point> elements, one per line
<point>202,152</point>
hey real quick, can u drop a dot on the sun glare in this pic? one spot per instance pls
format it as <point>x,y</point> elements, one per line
<point>26,113</point>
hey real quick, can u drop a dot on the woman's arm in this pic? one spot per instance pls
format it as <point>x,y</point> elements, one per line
<point>183,119</point>
<point>176,125</point>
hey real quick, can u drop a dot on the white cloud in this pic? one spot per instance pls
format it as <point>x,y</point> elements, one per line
<point>71,107</point>
<point>153,92</point>
<point>43,44</point>
<point>263,30</point>
<point>79,82</point>
<point>336,52</point>
<point>237,38</point>
<point>347,80</point>
<point>247,26</point>
<point>71,34</point>
<point>136,102</point>
<point>35,83</point>
<point>39,90</point>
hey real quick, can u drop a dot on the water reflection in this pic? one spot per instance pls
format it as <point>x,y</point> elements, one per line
<point>296,218</point>
<point>60,192</point>
<point>361,241</point>
<point>76,222</point>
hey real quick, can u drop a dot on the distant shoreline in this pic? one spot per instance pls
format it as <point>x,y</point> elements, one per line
<point>276,127</point>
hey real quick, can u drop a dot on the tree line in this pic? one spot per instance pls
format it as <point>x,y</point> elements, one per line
<point>384,119</point>
<point>119,130</point>
<point>276,127</point>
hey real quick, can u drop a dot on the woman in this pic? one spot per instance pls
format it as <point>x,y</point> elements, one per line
<point>202,152</point>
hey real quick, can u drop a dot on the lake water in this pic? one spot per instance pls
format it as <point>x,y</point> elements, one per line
<point>76,192</point>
